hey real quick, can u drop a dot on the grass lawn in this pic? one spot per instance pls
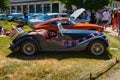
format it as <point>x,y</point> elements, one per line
<point>50,65</point>
<point>7,25</point>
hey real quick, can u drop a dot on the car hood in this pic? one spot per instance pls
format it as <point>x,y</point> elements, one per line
<point>77,13</point>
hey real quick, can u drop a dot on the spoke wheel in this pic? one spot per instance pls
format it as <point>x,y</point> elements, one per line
<point>29,48</point>
<point>97,48</point>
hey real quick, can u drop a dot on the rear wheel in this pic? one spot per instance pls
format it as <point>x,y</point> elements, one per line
<point>97,47</point>
<point>29,48</point>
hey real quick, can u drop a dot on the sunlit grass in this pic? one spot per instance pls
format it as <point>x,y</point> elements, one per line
<point>4,45</point>
<point>48,69</point>
<point>7,25</point>
<point>114,43</point>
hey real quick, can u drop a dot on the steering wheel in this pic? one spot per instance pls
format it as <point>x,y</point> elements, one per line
<point>52,34</point>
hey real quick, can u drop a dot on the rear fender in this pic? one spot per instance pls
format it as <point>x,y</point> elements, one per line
<point>19,42</point>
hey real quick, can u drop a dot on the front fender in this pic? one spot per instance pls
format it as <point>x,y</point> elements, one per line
<point>85,43</point>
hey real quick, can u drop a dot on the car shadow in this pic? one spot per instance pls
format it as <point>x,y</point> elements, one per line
<point>60,55</point>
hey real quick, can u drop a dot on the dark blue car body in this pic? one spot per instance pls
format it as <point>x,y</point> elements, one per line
<point>70,40</point>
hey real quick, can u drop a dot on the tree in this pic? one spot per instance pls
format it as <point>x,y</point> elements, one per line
<point>68,3</point>
<point>4,4</point>
<point>117,0</point>
<point>95,4</point>
<point>87,4</point>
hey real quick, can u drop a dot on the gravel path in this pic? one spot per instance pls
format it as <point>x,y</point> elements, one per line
<point>109,29</point>
<point>114,76</point>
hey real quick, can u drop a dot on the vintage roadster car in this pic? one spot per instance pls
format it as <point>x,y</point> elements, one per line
<point>66,40</point>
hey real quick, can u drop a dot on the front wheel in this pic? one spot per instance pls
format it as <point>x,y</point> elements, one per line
<point>29,48</point>
<point>97,47</point>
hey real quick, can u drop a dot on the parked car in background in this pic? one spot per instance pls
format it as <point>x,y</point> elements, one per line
<point>15,16</point>
<point>3,17</point>
<point>46,17</point>
<point>51,25</point>
<point>66,40</point>
<point>34,15</point>
<point>75,16</point>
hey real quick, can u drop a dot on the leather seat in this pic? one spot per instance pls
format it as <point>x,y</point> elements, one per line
<point>42,32</point>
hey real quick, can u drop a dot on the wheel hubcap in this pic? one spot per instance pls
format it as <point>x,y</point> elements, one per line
<point>97,48</point>
<point>29,48</point>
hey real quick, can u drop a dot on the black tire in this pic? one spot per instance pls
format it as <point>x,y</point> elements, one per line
<point>53,33</point>
<point>29,48</point>
<point>97,47</point>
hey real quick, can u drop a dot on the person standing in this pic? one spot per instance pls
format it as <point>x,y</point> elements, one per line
<point>114,19</point>
<point>98,17</point>
<point>92,17</point>
<point>118,18</point>
<point>105,18</point>
<point>88,16</point>
<point>26,16</point>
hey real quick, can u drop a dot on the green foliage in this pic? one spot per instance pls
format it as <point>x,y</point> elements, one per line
<point>87,4</point>
<point>68,3</point>
<point>95,4</point>
<point>117,0</point>
<point>4,4</point>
